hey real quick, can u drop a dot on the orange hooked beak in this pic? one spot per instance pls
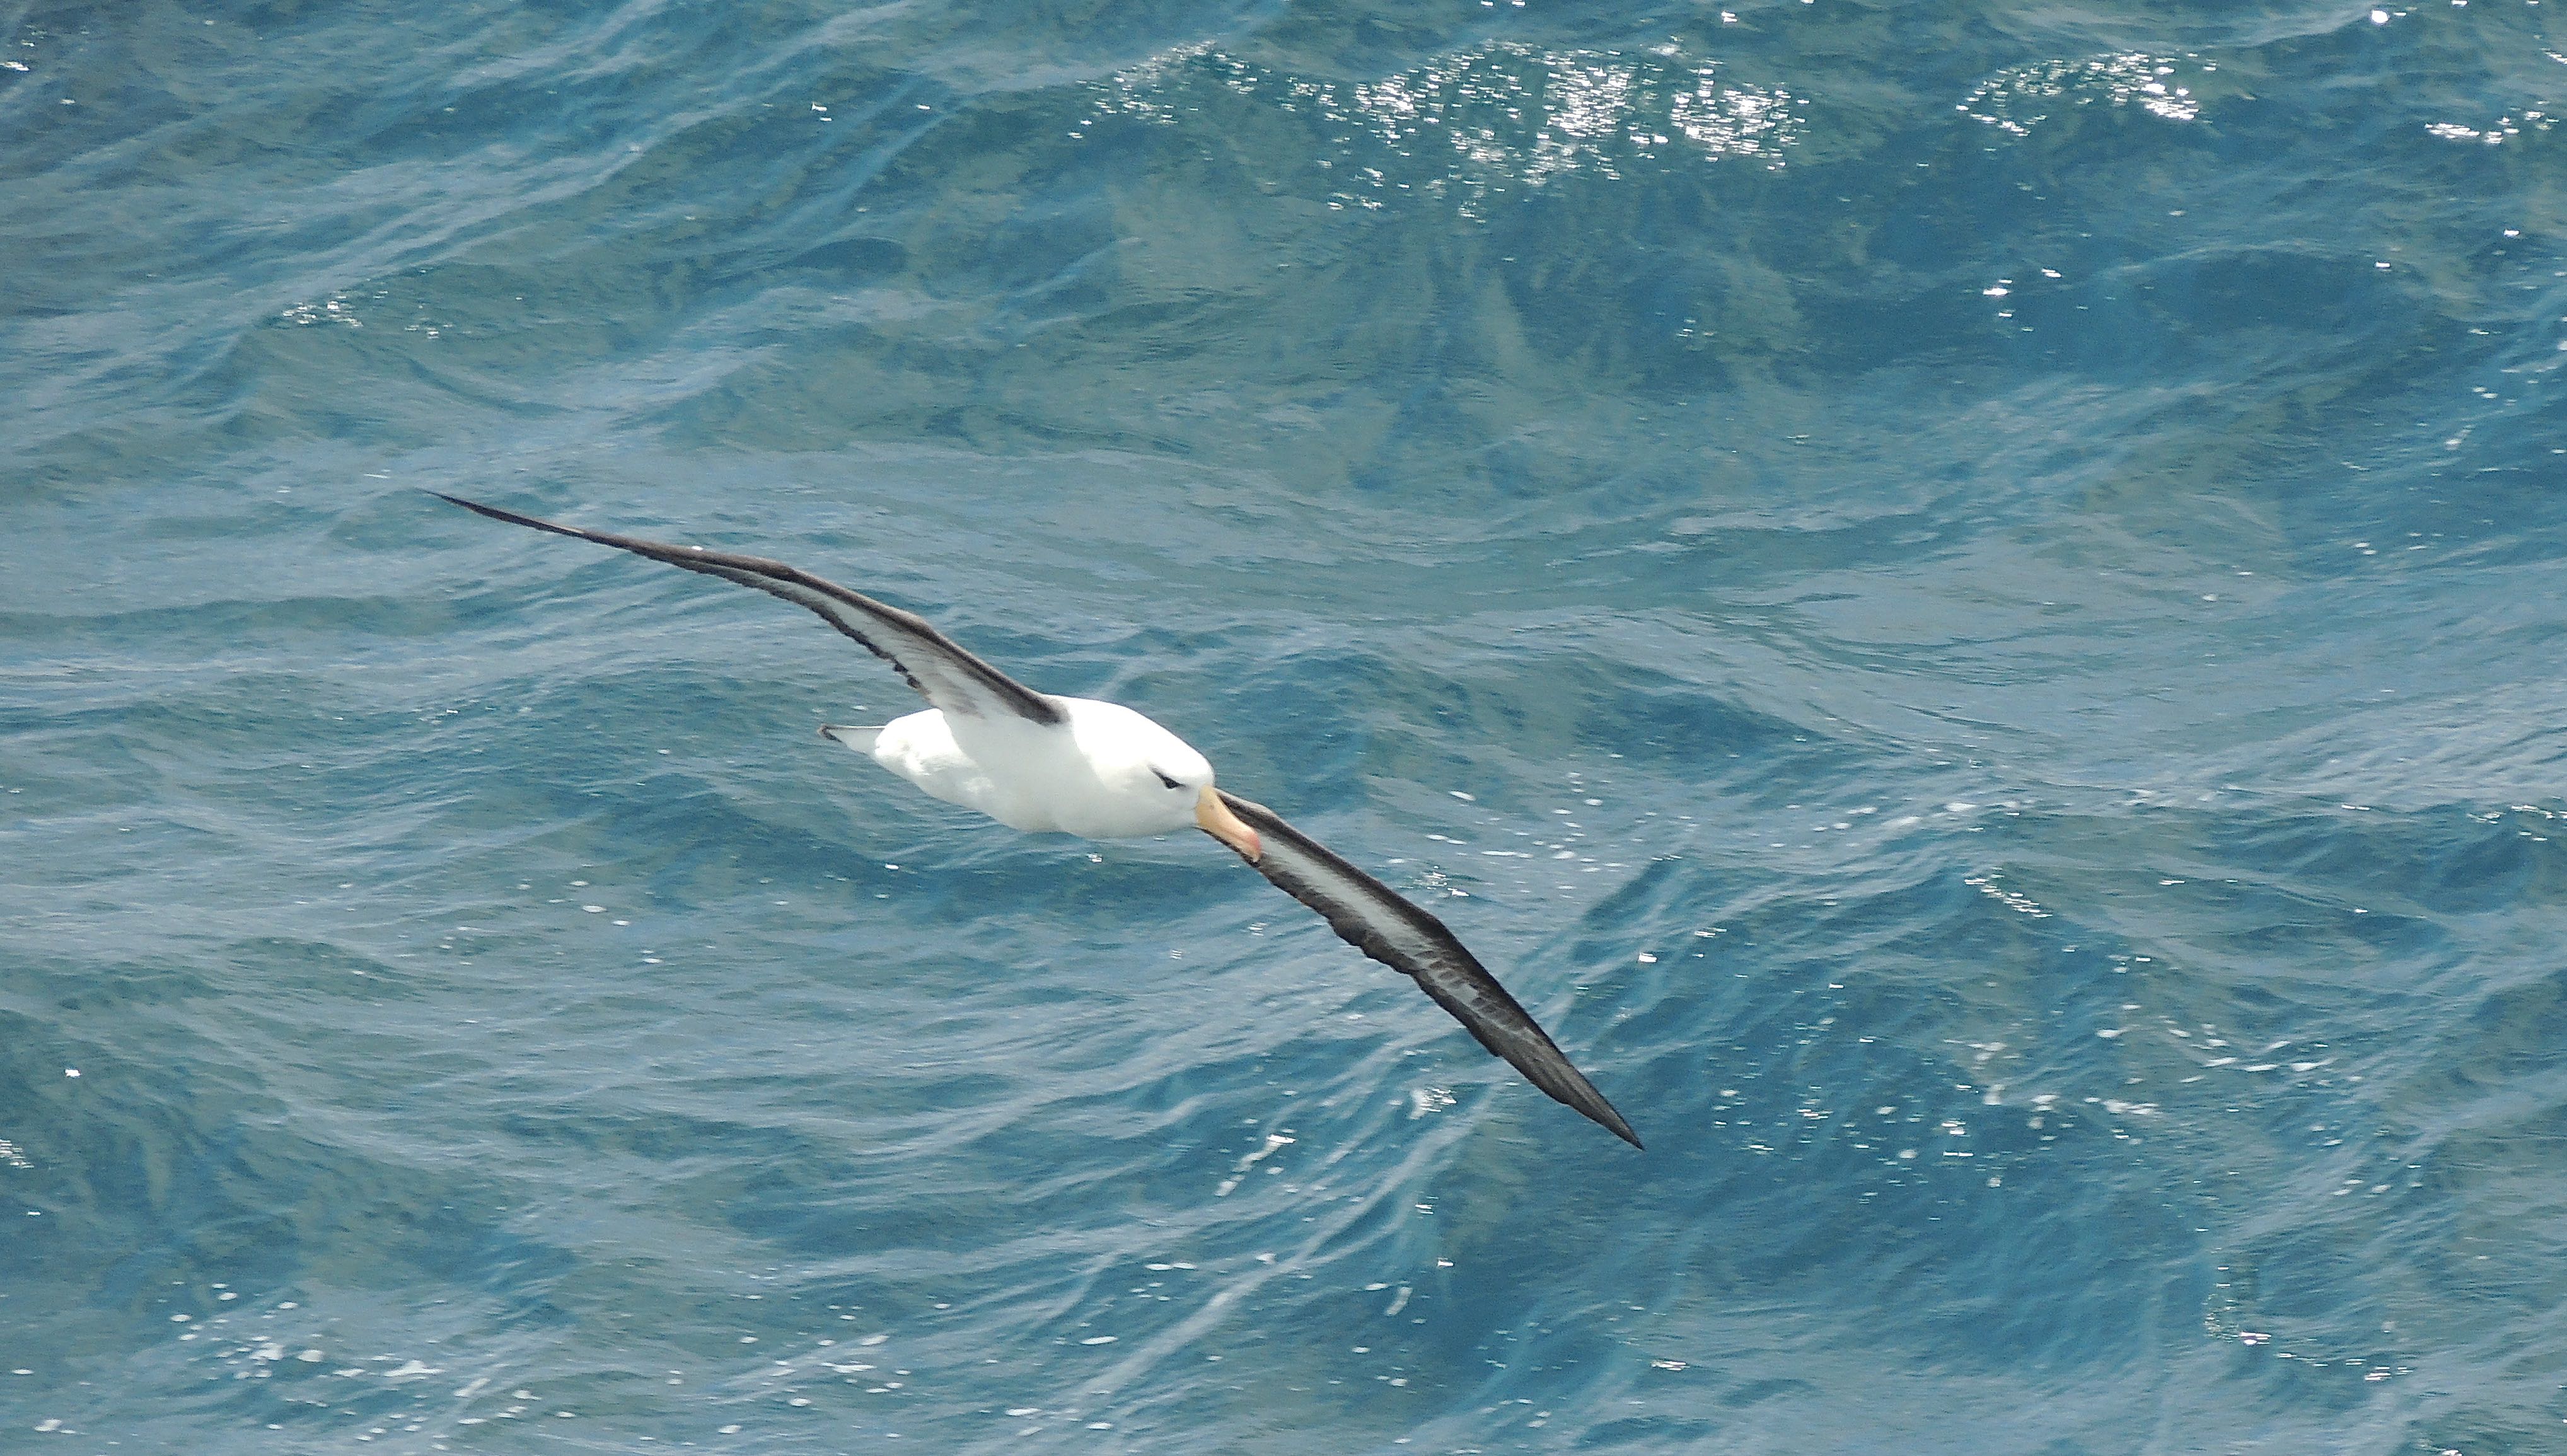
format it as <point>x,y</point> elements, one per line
<point>1215,819</point>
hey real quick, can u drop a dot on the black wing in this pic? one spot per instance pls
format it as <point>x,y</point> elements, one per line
<point>1377,921</point>
<point>936,665</point>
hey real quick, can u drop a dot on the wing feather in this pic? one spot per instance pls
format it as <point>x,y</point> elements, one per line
<point>943,672</point>
<point>1373,919</point>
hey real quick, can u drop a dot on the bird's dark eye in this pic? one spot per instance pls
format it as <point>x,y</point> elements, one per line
<point>1170,782</point>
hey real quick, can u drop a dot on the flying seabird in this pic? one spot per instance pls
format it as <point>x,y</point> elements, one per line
<point>1075,765</point>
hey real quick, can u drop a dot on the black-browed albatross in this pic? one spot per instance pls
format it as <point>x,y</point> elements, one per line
<point>1035,762</point>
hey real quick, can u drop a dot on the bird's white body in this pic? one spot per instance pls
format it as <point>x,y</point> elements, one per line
<point>1108,773</point>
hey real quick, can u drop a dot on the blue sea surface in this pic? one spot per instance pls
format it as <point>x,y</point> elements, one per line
<point>1967,601</point>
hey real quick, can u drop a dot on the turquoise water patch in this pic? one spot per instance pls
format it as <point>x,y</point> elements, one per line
<point>1964,602</point>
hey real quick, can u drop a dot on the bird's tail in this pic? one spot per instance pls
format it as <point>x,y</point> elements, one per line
<point>859,739</point>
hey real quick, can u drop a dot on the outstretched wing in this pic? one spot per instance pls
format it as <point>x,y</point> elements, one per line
<point>936,665</point>
<point>1377,921</point>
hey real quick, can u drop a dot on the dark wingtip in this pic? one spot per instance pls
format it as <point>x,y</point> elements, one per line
<point>1601,1113</point>
<point>1560,1080</point>
<point>472,505</point>
<point>512,517</point>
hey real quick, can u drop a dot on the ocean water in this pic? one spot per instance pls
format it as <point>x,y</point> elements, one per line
<point>1966,600</point>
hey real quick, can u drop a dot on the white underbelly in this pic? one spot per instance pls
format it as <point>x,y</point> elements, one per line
<point>1024,776</point>
<point>1033,776</point>
<point>922,750</point>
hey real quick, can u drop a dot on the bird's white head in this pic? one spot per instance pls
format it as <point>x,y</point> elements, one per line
<point>1156,777</point>
<point>1185,788</point>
